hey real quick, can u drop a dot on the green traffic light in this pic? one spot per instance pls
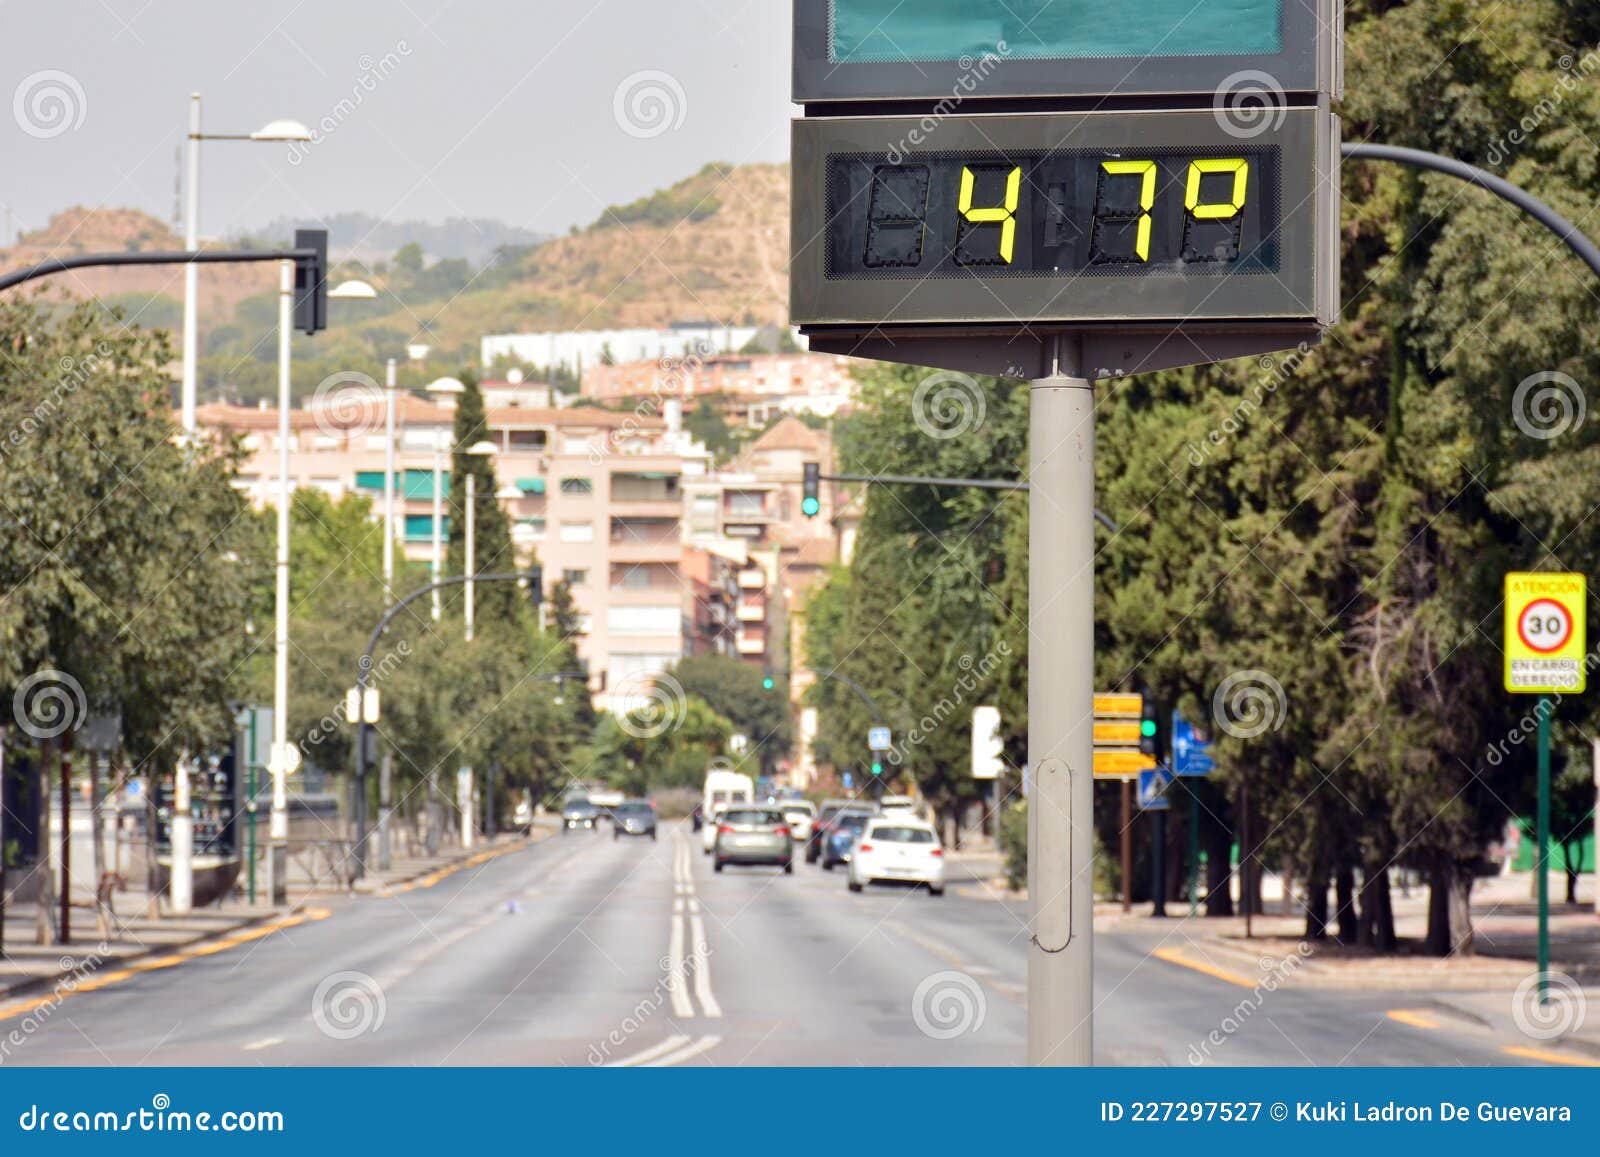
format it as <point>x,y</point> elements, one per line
<point>809,507</point>
<point>1147,728</point>
<point>877,768</point>
<point>767,684</point>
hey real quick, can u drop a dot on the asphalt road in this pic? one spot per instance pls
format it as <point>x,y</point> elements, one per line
<point>582,950</point>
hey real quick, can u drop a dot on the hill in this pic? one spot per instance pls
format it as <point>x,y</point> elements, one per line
<point>360,236</point>
<point>153,293</point>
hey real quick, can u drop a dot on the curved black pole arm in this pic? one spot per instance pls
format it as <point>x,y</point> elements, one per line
<point>153,257</point>
<point>1568,232</point>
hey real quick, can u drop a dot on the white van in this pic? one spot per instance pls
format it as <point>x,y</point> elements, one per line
<point>722,789</point>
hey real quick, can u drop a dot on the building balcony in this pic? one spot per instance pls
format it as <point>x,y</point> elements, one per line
<point>644,507</point>
<point>752,579</point>
<point>624,550</point>
<point>752,613</point>
<point>751,646</point>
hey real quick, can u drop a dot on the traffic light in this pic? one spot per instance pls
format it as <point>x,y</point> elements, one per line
<point>1150,728</point>
<point>311,281</point>
<point>877,768</point>
<point>535,584</point>
<point>810,482</point>
<point>768,682</point>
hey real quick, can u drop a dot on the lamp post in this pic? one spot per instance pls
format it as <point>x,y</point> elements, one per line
<point>273,131</point>
<point>388,482</point>
<point>444,388</point>
<point>478,450</point>
<point>285,757</point>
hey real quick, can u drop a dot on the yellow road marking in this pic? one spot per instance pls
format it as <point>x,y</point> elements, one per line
<point>1174,956</point>
<point>93,983</point>
<point>438,874</point>
<point>1550,1058</point>
<point>1412,1017</point>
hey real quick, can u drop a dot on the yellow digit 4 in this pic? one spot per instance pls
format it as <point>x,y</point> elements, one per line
<point>1146,170</point>
<point>1004,215</point>
<point>1216,210</point>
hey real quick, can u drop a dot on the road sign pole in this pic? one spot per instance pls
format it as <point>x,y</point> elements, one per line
<point>1061,715</point>
<point>1127,845</point>
<point>1158,865</point>
<point>1194,848</point>
<point>1545,708</point>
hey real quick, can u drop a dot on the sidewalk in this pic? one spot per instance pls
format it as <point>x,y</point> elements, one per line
<point>139,942</point>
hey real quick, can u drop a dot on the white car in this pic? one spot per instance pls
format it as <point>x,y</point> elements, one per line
<point>898,847</point>
<point>802,816</point>
<point>708,829</point>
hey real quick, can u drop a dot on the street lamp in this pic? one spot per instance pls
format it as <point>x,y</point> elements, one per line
<point>273,132</point>
<point>444,387</point>
<point>478,450</point>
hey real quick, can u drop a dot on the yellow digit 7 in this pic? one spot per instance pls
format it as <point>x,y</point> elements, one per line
<point>1146,170</point>
<point>1216,210</point>
<point>1005,215</point>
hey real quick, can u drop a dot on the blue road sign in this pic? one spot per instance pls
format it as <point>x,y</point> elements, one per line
<point>1153,787</point>
<point>849,781</point>
<point>1191,755</point>
<point>878,738</point>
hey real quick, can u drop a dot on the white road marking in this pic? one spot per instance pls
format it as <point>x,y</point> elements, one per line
<point>677,983</point>
<point>263,1043</point>
<point>643,1057</point>
<point>687,1053</point>
<point>702,968</point>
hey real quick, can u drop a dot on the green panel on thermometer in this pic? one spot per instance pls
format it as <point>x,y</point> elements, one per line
<point>864,31</point>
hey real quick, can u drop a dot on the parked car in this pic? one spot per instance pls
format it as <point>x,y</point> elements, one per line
<point>522,816</point>
<point>897,848</point>
<point>750,834</point>
<point>802,815</point>
<point>579,815</point>
<point>830,808</point>
<point>841,837</point>
<point>633,817</point>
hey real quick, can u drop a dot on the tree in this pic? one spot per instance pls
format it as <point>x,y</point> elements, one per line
<point>495,606</point>
<point>734,690</point>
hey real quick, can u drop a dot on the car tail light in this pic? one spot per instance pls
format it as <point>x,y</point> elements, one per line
<point>936,852</point>
<point>724,830</point>
<point>864,847</point>
<point>780,831</point>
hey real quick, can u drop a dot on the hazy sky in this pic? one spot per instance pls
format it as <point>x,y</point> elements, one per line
<point>538,113</point>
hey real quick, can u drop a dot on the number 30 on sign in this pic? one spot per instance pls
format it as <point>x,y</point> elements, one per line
<point>1544,633</point>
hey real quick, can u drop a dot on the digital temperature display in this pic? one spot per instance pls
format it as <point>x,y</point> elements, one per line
<point>1113,216</point>
<point>1039,214</point>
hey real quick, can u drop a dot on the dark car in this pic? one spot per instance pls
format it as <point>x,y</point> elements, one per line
<point>579,815</point>
<point>698,816</point>
<point>633,818</point>
<point>825,814</point>
<point>841,837</point>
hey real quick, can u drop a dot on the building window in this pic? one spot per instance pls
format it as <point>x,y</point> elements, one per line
<point>746,504</point>
<point>419,528</point>
<point>705,507</point>
<point>575,577</point>
<point>577,487</point>
<point>535,525</point>
<point>634,578</point>
<point>369,480</point>
<point>577,532</point>
<point>661,622</point>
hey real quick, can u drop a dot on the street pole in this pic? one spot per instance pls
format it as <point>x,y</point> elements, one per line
<point>191,272</point>
<point>1596,760</point>
<point>3,805</point>
<point>388,484</point>
<point>472,495</point>
<point>1158,865</point>
<point>1194,847</point>
<point>180,879</point>
<point>1545,708</point>
<point>1126,842</point>
<point>436,567</point>
<point>278,826</point>
<point>1061,714</point>
<point>66,838</point>
<point>250,806</point>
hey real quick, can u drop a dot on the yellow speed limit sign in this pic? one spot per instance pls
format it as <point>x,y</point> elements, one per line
<point>1545,633</point>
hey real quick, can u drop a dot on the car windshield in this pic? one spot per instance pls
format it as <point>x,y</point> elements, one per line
<point>752,816</point>
<point>850,822</point>
<point>633,810</point>
<point>903,835</point>
<point>577,804</point>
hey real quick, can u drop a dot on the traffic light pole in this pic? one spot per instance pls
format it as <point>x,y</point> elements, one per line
<point>1061,714</point>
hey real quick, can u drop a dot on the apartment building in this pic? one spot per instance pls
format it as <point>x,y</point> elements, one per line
<point>585,350</point>
<point>753,388</point>
<point>596,495</point>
